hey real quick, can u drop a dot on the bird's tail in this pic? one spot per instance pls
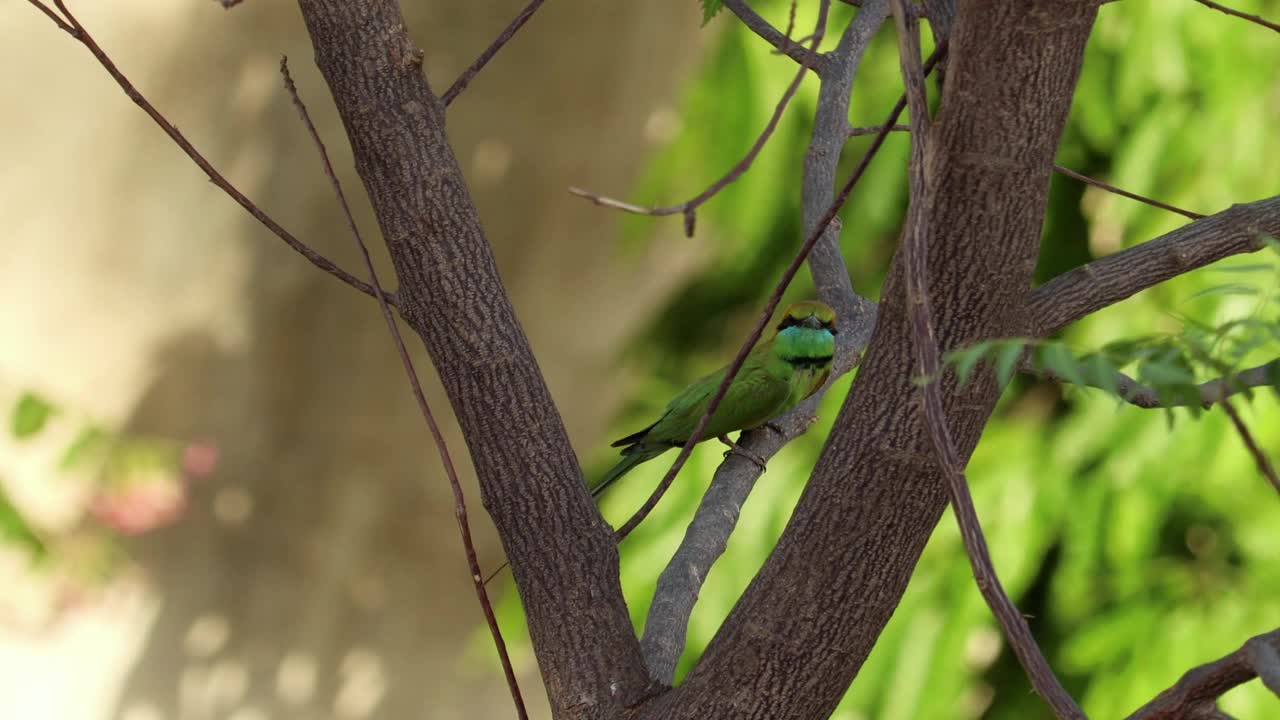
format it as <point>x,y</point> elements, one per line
<point>630,458</point>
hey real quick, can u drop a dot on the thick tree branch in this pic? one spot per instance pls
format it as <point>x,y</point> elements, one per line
<point>707,536</point>
<point>563,554</point>
<point>809,58</point>
<point>503,38</point>
<point>809,618</point>
<point>1195,695</point>
<point>73,28</point>
<point>915,257</point>
<point>446,459</point>
<point>1106,281</point>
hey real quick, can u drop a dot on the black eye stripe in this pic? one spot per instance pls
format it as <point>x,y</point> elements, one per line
<point>793,321</point>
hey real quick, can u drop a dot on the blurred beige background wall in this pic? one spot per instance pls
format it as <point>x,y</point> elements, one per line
<point>318,573</point>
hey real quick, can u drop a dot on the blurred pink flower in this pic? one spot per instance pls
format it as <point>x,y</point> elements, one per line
<point>199,458</point>
<point>145,504</point>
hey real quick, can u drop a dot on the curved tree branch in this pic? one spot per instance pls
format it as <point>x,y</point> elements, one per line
<point>1106,281</point>
<point>1195,695</point>
<point>810,58</point>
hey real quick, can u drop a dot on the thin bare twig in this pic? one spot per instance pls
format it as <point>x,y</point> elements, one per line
<point>915,252</point>
<point>73,28</point>
<point>1061,170</point>
<point>1244,16</point>
<point>1259,457</point>
<point>810,59</point>
<point>1195,695</point>
<point>1125,193</point>
<point>459,500</point>
<point>689,208</point>
<point>509,32</point>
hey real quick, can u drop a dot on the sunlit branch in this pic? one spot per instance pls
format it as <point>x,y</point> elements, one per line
<point>810,58</point>
<point>1206,394</point>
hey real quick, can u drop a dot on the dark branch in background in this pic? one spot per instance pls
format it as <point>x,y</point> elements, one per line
<point>1244,16</point>
<point>755,334</point>
<point>915,256</point>
<point>1195,695</point>
<point>1106,281</point>
<point>459,500</point>
<point>227,5</point>
<point>808,57</point>
<point>469,74</point>
<point>1209,393</point>
<point>73,28</point>
<point>689,207</point>
<point>1259,457</point>
<point>1125,193</point>
<point>873,129</point>
<point>666,627</point>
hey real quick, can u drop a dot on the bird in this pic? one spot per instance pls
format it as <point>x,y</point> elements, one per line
<point>777,375</point>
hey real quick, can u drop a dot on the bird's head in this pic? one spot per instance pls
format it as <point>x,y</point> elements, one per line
<point>809,314</point>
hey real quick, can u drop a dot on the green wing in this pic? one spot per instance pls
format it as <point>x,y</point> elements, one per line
<point>754,397</point>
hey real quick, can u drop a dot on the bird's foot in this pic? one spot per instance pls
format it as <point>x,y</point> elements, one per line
<point>736,448</point>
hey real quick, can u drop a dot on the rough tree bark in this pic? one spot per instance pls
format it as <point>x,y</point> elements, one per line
<point>797,637</point>
<point>810,617</point>
<point>562,552</point>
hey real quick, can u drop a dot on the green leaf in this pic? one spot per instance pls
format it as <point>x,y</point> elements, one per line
<point>965,359</point>
<point>1245,268</point>
<point>1007,357</point>
<point>1228,289</point>
<point>1056,358</point>
<point>30,414</point>
<point>91,440</point>
<point>14,528</point>
<point>709,9</point>
<point>1101,374</point>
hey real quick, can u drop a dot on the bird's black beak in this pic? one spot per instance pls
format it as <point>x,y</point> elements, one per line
<point>812,322</point>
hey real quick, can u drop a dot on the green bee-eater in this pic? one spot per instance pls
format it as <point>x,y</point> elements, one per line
<point>779,373</point>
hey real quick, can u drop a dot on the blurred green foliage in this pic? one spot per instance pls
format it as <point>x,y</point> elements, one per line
<point>1138,547</point>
